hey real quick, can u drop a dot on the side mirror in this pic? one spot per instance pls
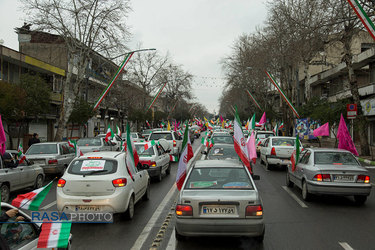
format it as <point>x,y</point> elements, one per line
<point>168,151</point>
<point>256,177</point>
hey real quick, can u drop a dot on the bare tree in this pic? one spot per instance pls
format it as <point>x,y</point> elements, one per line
<point>85,26</point>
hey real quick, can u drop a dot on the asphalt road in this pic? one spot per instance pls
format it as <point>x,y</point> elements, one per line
<point>326,222</point>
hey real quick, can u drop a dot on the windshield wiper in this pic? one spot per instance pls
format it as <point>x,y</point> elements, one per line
<point>94,172</point>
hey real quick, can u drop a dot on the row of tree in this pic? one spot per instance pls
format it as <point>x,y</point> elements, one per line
<point>295,32</point>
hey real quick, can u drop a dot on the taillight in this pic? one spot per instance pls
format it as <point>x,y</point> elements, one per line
<point>363,178</point>
<point>322,177</point>
<point>53,161</point>
<point>96,150</point>
<point>61,183</point>
<point>184,210</point>
<point>152,164</point>
<point>254,210</point>
<point>273,151</point>
<point>174,143</point>
<point>121,182</point>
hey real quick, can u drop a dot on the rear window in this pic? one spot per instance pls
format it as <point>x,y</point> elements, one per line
<point>334,158</point>
<point>263,136</point>
<point>89,142</point>
<point>92,167</point>
<point>158,136</point>
<point>223,139</point>
<point>283,142</point>
<point>222,153</point>
<point>42,149</point>
<point>218,178</point>
<point>141,150</point>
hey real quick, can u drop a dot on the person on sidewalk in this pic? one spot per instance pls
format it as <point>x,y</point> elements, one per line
<point>34,139</point>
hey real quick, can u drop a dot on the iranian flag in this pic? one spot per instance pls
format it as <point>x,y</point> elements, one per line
<point>205,141</point>
<point>118,131</point>
<point>77,150</point>
<point>109,134</point>
<point>149,144</point>
<point>275,130</point>
<point>173,158</point>
<point>132,158</point>
<point>240,142</point>
<point>281,125</point>
<point>20,155</point>
<point>295,156</point>
<point>211,143</point>
<point>54,235</point>
<point>33,199</point>
<point>252,124</point>
<point>186,155</point>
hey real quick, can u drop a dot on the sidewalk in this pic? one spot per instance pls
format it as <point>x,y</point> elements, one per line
<point>330,143</point>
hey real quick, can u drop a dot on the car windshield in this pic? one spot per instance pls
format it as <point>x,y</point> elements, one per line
<point>218,178</point>
<point>42,149</point>
<point>222,152</point>
<point>132,135</point>
<point>283,142</point>
<point>89,142</point>
<point>158,136</point>
<point>86,166</point>
<point>223,139</point>
<point>334,158</point>
<point>263,136</point>
<point>141,150</point>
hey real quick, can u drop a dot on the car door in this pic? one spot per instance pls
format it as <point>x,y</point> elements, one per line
<point>178,141</point>
<point>139,183</point>
<point>27,175</point>
<point>163,158</point>
<point>301,167</point>
<point>263,150</point>
<point>65,154</point>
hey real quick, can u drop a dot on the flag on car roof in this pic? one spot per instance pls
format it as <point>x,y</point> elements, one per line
<point>33,199</point>
<point>345,140</point>
<point>109,135</point>
<point>186,155</point>
<point>149,144</point>
<point>295,155</point>
<point>77,150</point>
<point>239,142</point>
<point>132,158</point>
<point>20,154</point>
<point>118,131</point>
<point>54,235</point>
<point>3,138</point>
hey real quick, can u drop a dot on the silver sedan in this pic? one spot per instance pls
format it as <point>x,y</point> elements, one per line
<point>219,198</point>
<point>330,171</point>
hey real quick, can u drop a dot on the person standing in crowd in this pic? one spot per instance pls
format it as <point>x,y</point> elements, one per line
<point>34,139</point>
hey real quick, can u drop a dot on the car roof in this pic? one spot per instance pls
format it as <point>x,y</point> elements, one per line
<point>282,137</point>
<point>327,150</point>
<point>225,145</point>
<point>218,163</point>
<point>109,154</point>
<point>46,143</point>
<point>162,132</point>
<point>263,132</point>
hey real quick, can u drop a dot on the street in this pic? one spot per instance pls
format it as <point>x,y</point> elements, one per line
<point>327,222</point>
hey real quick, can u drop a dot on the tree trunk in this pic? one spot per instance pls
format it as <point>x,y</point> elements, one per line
<point>361,119</point>
<point>307,82</point>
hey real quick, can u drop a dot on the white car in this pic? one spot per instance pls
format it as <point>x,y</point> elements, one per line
<point>277,151</point>
<point>101,182</point>
<point>260,136</point>
<point>174,140</point>
<point>155,160</point>
<point>21,236</point>
<point>116,141</point>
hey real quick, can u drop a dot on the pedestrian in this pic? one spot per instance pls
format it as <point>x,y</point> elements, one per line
<point>34,139</point>
<point>291,131</point>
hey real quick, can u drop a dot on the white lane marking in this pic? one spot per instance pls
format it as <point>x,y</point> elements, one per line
<point>172,241</point>
<point>346,246</point>
<point>151,223</point>
<point>301,203</point>
<point>49,205</point>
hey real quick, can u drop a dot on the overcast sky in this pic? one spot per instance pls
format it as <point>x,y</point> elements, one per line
<point>198,34</point>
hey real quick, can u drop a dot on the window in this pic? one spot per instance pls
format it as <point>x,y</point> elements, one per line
<point>158,136</point>
<point>305,158</point>
<point>334,158</point>
<point>218,178</point>
<point>89,142</point>
<point>90,166</point>
<point>141,150</point>
<point>222,153</point>
<point>65,149</point>
<point>17,235</point>
<point>36,149</point>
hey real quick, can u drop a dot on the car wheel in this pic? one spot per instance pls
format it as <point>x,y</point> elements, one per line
<point>38,182</point>
<point>146,196</point>
<point>129,214</point>
<point>168,171</point>
<point>306,196</point>
<point>288,182</point>
<point>268,166</point>
<point>179,237</point>
<point>5,193</point>
<point>260,238</point>
<point>360,199</point>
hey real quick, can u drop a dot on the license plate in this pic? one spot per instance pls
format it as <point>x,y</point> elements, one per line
<point>224,209</point>
<point>88,208</point>
<point>343,178</point>
<point>286,161</point>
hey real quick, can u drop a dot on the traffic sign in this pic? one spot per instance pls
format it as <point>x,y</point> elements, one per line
<point>351,110</point>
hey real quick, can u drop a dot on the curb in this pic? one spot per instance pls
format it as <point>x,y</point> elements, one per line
<point>366,161</point>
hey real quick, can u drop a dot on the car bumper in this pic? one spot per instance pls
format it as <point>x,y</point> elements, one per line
<point>113,203</point>
<point>52,169</point>
<point>219,227</point>
<point>338,188</point>
<point>278,161</point>
<point>153,172</point>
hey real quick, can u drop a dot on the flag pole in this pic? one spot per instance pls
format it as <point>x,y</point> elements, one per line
<point>252,97</point>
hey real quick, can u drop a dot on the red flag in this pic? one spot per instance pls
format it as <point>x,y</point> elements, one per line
<point>345,140</point>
